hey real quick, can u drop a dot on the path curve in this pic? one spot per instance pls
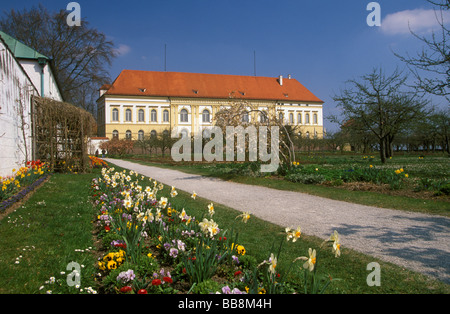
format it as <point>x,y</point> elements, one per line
<point>415,241</point>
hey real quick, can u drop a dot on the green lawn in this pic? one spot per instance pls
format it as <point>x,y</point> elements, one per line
<point>55,224</point>
<point>40,238</point>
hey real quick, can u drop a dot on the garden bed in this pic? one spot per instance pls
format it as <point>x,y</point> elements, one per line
<point>386,189</point>
<point>20,197</point>
<point>147,244</point>
<point>16,187</point>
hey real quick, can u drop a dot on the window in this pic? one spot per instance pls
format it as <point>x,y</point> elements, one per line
<point>307,134</point>
<point>165,133</point>
<point>280,117</point>
<point>128,115</point>
<point>115,114</point>
<point>140,135</point>
<point>299,118</point>
<point>141,115</point>
<point>307,118</point>
<point>128,135</point>
<point>263,117</point>
<point>205,116</point>
<point>315,118</point>
<point>184,116</point>
<point>115,133</point>
<point>166,115</point>
<point>153,134</point>
<point>245,117</point>
<point>153,116</point>
<point>291,118</point>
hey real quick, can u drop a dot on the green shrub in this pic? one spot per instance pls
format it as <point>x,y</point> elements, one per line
<point>445,189</point>
<point>305,178</point>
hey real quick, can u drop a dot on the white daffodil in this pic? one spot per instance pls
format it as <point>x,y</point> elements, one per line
<point>336,244</point>
<point>163,202</point>
<point>309,264</point>
<point>273,264</point>
<point>211,209</point>
<point>294,235</point>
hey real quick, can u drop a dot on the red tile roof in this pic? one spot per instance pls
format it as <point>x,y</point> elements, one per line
<point>197,85</point>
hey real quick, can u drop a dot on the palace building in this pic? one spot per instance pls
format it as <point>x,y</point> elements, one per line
<point>142,103</point>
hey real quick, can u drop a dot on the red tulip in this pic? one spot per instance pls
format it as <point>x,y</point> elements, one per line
<point>142,291</point>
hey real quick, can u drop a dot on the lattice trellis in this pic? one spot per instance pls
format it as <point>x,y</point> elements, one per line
<point>60,131</point>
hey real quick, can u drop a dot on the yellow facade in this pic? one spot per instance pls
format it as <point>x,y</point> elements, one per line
<point>137,116</point>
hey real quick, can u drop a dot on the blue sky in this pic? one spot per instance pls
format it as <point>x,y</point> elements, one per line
<point>320,43</point>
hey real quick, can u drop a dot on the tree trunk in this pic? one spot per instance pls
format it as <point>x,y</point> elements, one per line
<point>382,149</point>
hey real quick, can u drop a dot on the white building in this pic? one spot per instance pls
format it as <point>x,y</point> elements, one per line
<point>23,73</point>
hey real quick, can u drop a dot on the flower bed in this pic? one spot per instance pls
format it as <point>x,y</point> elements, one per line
<point>152,247</point>
<point>26,179</point>
<point>97,162</point>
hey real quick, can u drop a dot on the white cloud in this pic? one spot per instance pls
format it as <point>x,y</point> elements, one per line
<point>419,21</point>
<point>122,50</point>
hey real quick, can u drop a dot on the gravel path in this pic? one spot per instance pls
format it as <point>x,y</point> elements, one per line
<point>415,241</point>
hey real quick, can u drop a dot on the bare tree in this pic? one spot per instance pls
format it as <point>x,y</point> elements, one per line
<point>79,55</point>
<point>378,103</point>
<point>434,58</point>
<point>239,113</point>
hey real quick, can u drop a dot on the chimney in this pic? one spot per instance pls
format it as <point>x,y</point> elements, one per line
<point>104,89</point>
<point>289,76</point>
<point>280,80</point>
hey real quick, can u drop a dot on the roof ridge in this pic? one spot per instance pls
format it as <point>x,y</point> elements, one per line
<point>19,49</point>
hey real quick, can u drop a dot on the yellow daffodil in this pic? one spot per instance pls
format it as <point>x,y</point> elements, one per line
<point>245,217</point>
